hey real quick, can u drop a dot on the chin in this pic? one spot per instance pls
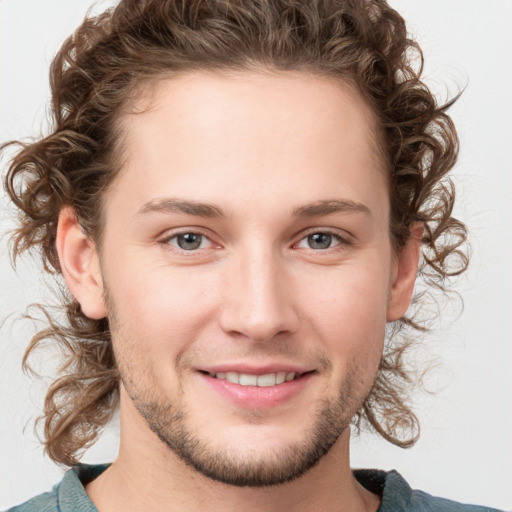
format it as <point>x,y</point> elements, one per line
<point>263,455</point>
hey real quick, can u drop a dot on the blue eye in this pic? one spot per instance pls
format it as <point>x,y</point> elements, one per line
<point>188,241</point>
<point>320,241</point>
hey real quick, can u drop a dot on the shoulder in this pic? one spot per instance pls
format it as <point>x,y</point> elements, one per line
<point>67,496</point>
<point>46,502</point>
<point>397,495</point>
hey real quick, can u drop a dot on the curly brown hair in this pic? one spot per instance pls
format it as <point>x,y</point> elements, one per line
<point>96,75</point>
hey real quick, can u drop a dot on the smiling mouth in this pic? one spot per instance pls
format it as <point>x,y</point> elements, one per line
<point>262,381</point>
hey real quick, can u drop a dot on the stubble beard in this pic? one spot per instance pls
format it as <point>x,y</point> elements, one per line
<point>170,423</point>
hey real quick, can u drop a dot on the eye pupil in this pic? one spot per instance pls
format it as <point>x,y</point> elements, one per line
<point>319,241</point>
<point>189,241</point>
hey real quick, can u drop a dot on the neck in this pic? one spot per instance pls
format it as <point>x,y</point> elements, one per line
<point>148,475</point>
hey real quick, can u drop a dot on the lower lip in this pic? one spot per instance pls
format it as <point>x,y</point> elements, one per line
<point>255,397</point>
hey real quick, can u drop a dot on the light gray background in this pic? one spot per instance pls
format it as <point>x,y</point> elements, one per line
<point>465,451</point>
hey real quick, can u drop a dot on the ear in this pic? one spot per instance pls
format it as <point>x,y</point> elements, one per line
<point>80,265</point>
<point>406,269</point>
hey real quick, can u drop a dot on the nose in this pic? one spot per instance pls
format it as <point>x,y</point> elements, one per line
<point>258,297</point>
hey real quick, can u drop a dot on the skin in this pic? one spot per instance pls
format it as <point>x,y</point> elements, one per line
<point>262,149</point>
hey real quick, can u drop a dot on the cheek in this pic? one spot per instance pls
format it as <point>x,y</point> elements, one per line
<point>350,311</point>
<point>162,306</point>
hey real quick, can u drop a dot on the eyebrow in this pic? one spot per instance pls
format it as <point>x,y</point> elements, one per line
<point>171,205</point>
<point>189,207</point>
<point>326,207</point>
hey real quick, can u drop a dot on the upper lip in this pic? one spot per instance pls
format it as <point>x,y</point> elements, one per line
<point>251,369</point>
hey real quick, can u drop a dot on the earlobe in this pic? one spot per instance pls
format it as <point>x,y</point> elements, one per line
<point>405,274</point>
<point>80,266</point>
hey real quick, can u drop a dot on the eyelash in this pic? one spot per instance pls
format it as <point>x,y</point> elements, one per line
<point>167,240</point>
<point>341,241</point>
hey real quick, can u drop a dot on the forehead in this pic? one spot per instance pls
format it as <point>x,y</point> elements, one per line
<point>204,135</point>
<point>265,99</point>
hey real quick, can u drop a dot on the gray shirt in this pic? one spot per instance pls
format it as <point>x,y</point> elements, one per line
<point>397,496</point>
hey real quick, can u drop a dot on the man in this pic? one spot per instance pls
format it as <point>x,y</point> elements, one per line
<point>237,195</point>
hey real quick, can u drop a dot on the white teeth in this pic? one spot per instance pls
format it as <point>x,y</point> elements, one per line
<point>248,380</point>
<point>230,377</point>
<point>245,379</point>
<point>267,380</point>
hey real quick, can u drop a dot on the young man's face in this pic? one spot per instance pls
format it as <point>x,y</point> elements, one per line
<point>248,270</point>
